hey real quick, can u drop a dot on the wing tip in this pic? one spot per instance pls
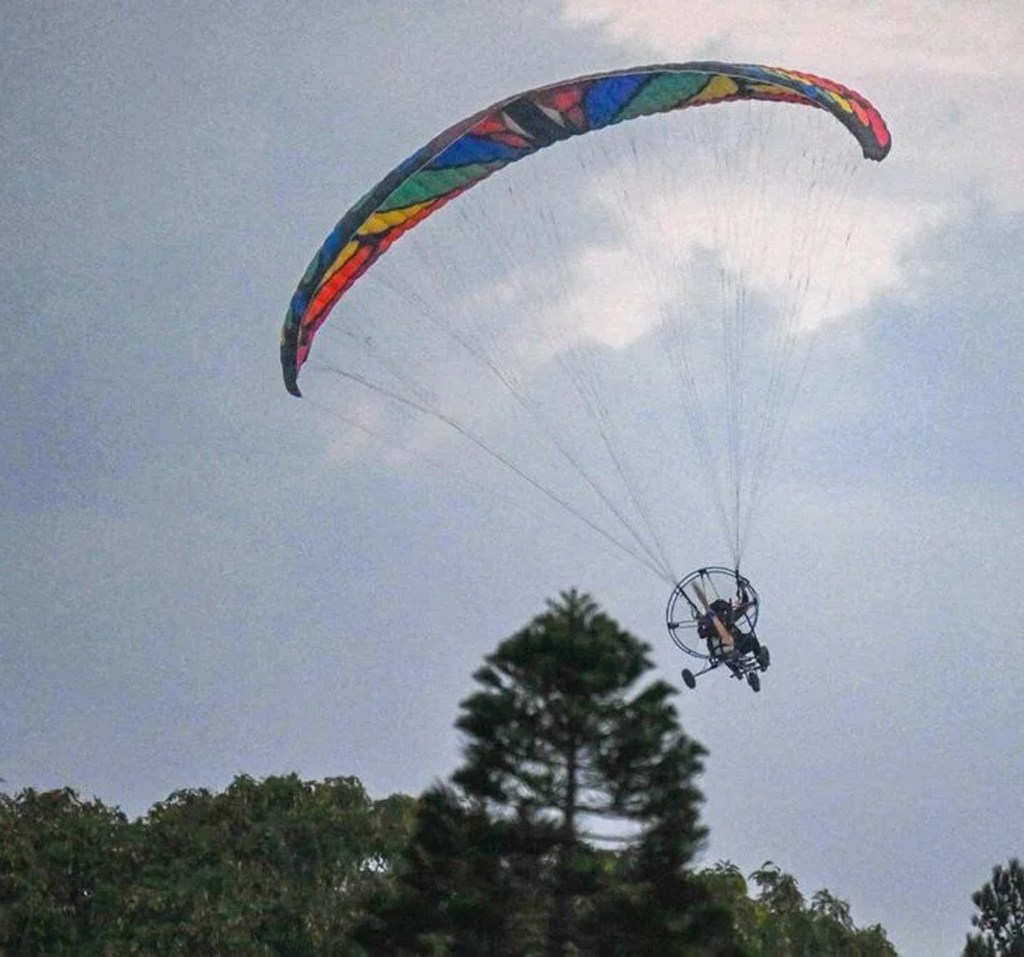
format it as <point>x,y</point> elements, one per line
<point>290,369</point>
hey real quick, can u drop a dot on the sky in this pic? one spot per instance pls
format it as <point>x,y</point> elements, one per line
<point>203,577</point>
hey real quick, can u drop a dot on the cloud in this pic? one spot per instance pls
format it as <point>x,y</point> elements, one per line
<point>940,76</point>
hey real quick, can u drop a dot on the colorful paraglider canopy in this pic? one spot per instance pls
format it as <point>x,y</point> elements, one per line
<point>476,147</point>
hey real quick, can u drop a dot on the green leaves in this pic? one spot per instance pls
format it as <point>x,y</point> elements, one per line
<point>779,923</point>
<point>1000,917</point>
<point>265,867</point>
<point>563,747</point>
<point>570,827</point>
<point>61,867</point>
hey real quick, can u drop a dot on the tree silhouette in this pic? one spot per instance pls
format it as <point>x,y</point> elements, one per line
<point>779,923</point>
<point>1000,917</point>
<point>565,758</point>
<point>273,866</point>
<point>63,862</point>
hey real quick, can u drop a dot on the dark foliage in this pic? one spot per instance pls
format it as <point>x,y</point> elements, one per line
<point>272,867</point>
<point>565,752</point>
<point>1000,917</point>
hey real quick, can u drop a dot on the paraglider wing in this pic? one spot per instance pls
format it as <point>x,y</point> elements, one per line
<point>480,145</point>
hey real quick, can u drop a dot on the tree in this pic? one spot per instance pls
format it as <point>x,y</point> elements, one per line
<point>462,887</point>
<point>779,923</point>
<point>564,756</point>
<point>1000,917</point>
<point>62,867</point>
<point>272,866</point>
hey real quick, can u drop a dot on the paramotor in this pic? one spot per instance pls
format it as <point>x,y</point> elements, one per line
<point>712,319</point>
<point>718,607</point>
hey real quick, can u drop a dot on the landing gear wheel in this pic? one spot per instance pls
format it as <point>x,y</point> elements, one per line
<point>688,678</point>
<point>764,658</point>
<point>754,681</point>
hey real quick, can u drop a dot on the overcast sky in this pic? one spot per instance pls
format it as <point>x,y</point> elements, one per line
<point>199,577</point>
